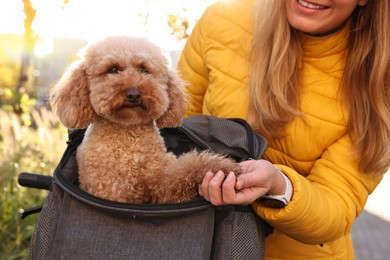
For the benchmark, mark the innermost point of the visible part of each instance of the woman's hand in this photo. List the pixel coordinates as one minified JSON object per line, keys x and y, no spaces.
{"x":259,"y":177}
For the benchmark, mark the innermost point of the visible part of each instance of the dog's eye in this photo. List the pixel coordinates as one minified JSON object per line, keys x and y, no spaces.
{"x":143,"y":70}
{"x":113,"y":70}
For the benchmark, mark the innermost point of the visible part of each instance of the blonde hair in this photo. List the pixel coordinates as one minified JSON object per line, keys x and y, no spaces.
{"x":275,"y":73}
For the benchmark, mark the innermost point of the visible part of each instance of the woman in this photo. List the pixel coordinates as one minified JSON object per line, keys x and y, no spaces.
{"x":313,"y":78}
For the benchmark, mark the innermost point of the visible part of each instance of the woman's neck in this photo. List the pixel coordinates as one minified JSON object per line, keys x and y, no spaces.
{"x":339,"y":28}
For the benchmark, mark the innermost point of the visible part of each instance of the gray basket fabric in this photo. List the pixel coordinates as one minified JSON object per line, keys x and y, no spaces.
{"x":76,"y":225}
{"x":85,"y":232}
{"x":232,"y":137}
{"x":72,"y":229}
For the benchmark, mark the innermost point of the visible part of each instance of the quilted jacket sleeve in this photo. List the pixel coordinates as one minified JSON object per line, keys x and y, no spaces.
{"x":325,"y":203}
{"x":193,"y":69}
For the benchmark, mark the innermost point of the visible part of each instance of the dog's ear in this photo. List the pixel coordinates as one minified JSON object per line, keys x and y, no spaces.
{"x":175,"y":112}
{"x":69,"y":98}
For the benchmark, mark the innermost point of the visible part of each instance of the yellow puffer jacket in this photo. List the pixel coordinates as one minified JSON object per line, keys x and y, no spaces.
{"x":329,"y":190}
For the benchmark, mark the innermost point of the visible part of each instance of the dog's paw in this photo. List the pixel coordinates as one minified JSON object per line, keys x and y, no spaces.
{"x":198,"y":163}
{"x":216,"y":162}
{"x":186,"y":174}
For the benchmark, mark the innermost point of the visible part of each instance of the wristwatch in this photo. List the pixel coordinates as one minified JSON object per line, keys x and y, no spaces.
{"x":278,"y":201}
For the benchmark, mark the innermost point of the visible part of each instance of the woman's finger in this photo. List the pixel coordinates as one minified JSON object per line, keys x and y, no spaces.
{"x":228,"y":189}
{"x":215,"y":188}
{"x":204,"y":186}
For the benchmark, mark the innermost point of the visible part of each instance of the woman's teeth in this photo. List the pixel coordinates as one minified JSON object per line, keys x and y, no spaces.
{"x":310,"y":5}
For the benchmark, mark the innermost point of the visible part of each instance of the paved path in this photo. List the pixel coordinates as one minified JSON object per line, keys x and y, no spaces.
{"x":371,"y":231}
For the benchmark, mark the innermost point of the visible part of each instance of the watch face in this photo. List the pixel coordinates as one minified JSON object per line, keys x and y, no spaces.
{"x":272,"y":203}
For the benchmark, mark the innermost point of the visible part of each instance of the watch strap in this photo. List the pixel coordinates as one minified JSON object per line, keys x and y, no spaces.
{"x":279,"y":201}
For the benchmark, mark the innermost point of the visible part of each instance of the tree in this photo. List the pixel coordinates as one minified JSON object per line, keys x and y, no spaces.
{"x":29,"y":39}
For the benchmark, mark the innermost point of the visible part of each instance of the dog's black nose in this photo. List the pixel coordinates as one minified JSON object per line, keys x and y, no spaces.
{"x":133,"y":96}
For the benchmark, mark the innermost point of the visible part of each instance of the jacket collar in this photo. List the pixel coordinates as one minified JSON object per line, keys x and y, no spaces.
{"x":323,"y":46}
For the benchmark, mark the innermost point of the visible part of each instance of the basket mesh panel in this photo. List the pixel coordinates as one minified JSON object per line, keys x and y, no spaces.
{"x":40,"y":238}
{"x":243,"y":237}
{"x":210,"y":135}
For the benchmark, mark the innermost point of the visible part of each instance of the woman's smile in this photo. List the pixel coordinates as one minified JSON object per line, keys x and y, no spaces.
{"x":320,"y":16}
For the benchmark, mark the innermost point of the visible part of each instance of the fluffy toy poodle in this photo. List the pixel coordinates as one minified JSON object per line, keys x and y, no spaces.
{"x":123,"y":90}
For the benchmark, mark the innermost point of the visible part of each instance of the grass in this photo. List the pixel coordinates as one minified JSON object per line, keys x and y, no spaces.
{"x":29,"y":143}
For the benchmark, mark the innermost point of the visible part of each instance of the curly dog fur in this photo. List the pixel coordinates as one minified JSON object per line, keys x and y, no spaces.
{"x":123,"y":90}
